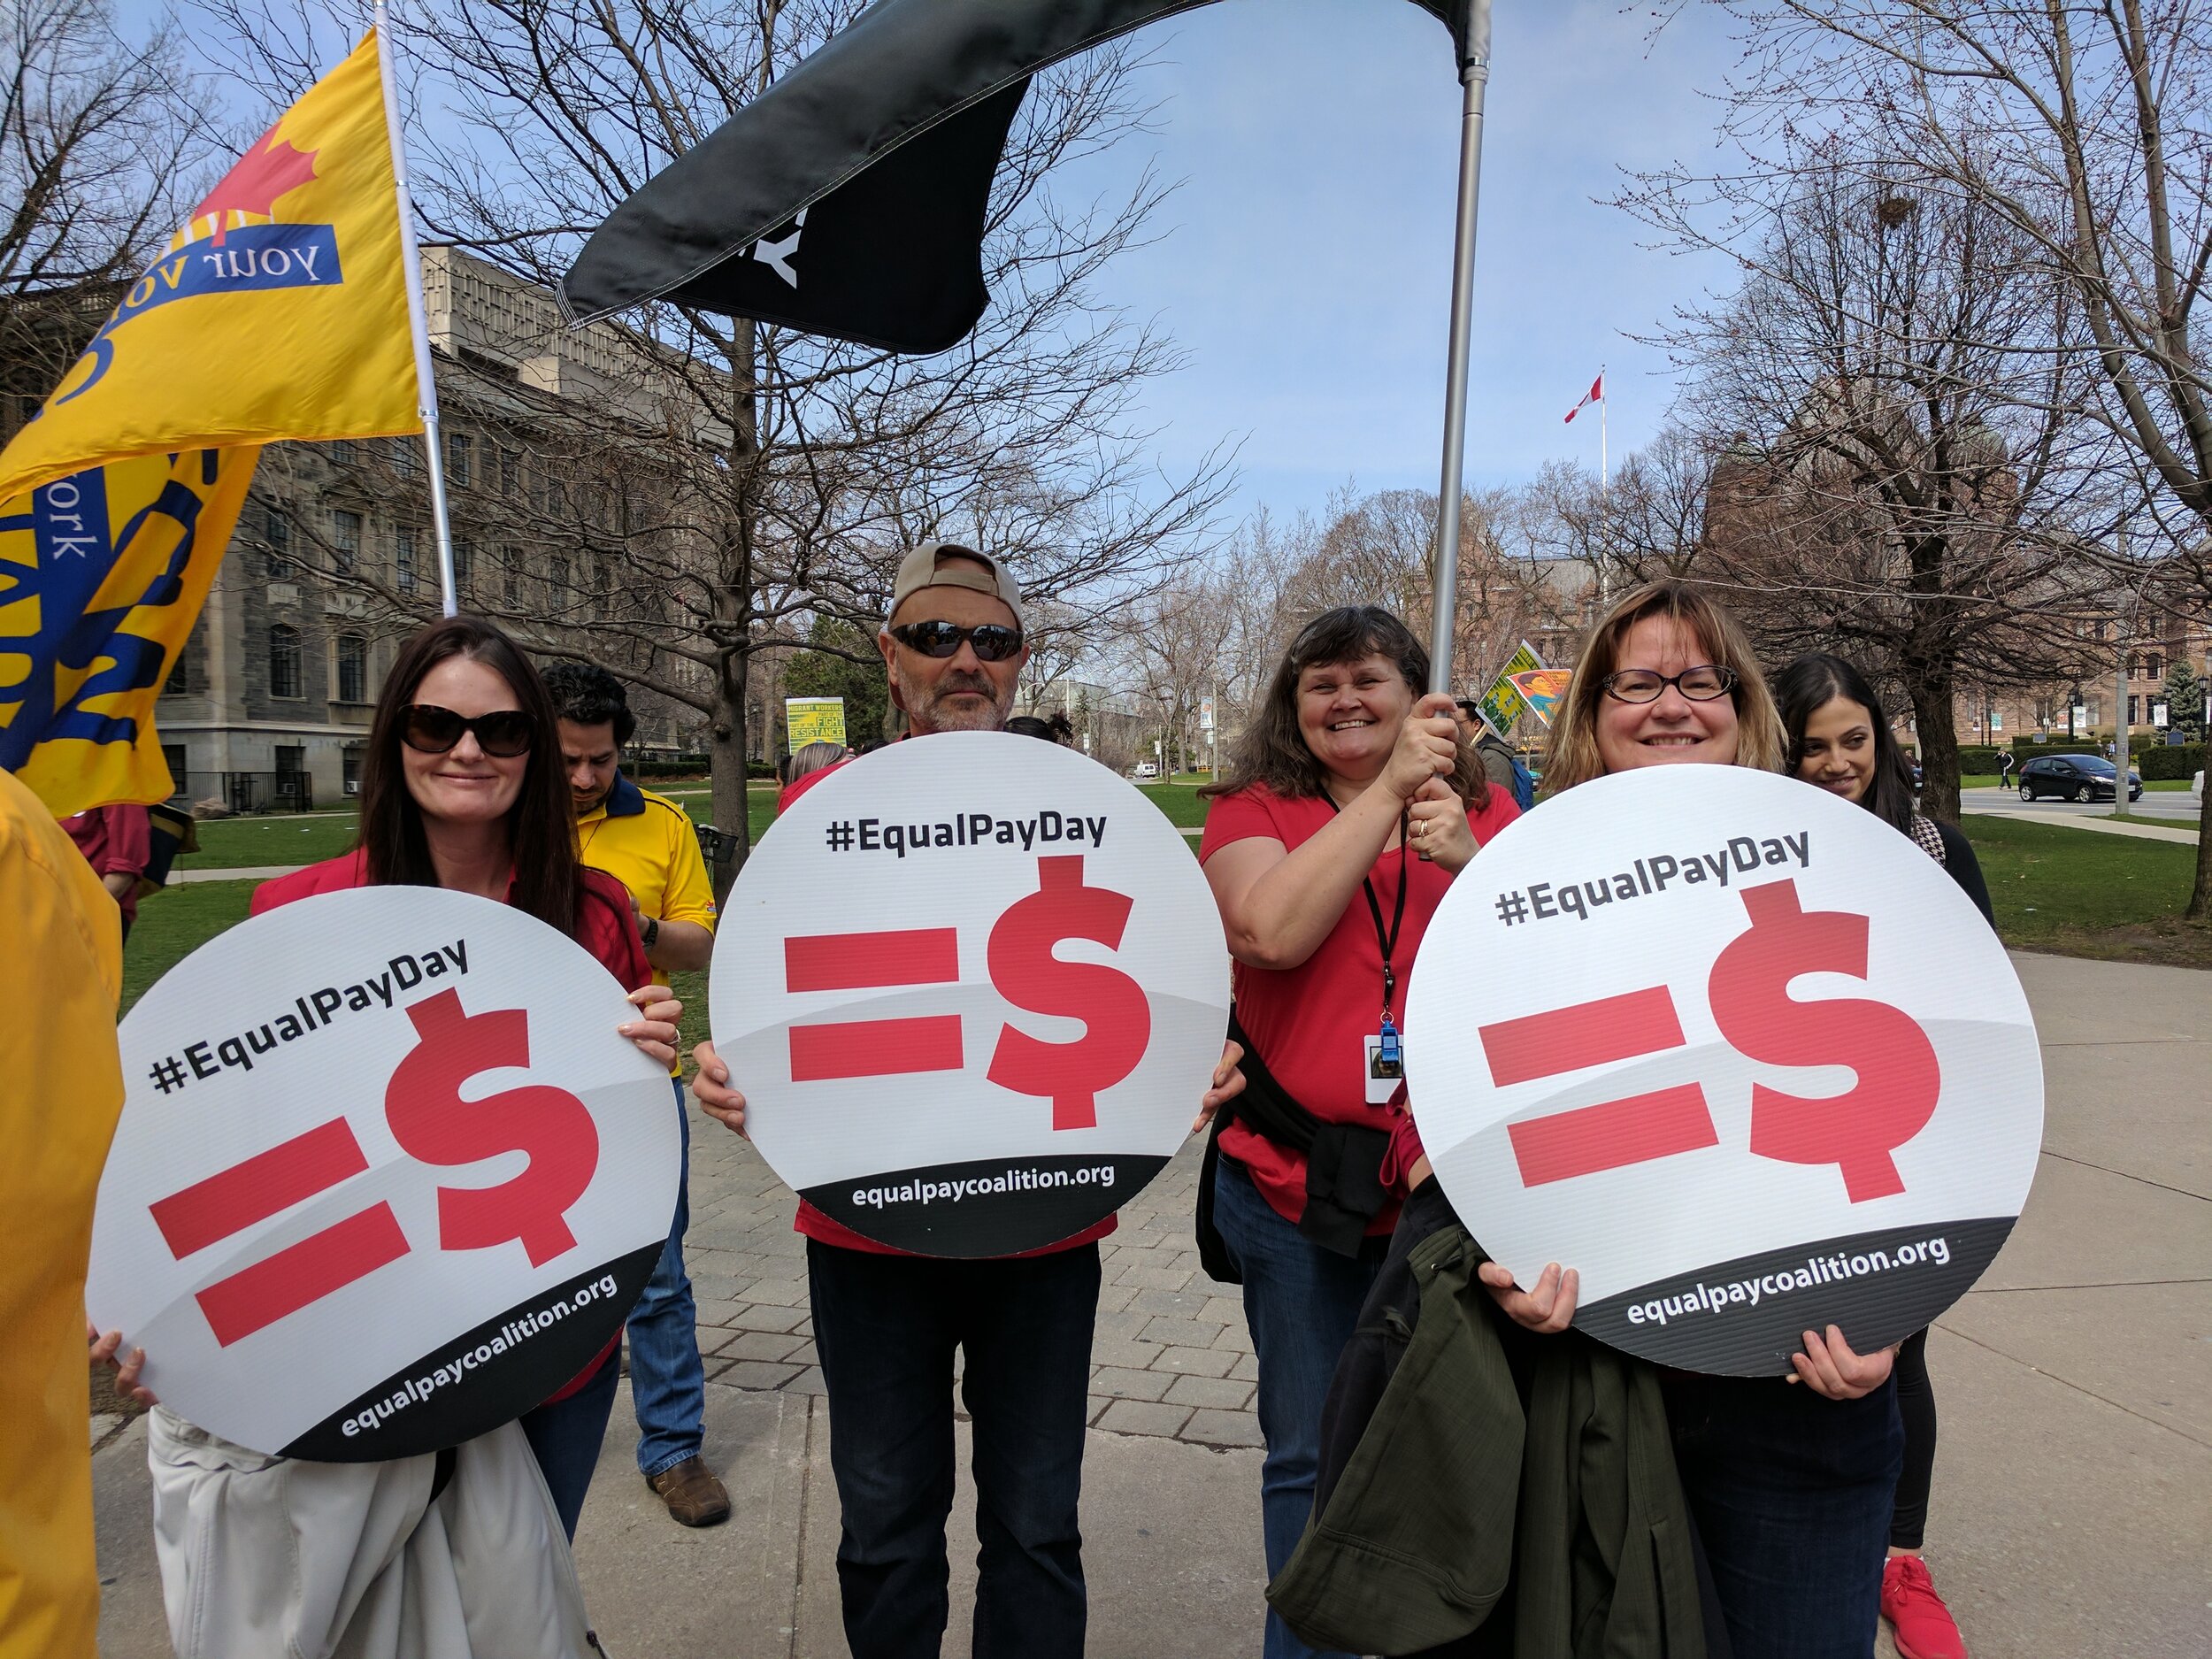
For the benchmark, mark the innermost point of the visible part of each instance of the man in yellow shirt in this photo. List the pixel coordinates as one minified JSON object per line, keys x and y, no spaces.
{"x":59,"y":980}
{"x":646,"y":842}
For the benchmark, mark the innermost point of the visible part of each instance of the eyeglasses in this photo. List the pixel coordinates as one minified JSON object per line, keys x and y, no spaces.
{"x":1701,"y":684}
{"x":994,"y":641}
{"x":432,"y":730}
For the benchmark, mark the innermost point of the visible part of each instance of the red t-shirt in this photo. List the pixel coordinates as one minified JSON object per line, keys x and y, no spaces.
{"x":604,"y":926}
{"x":827,"y":1230}
{"x":1310,"y":1023}
{"x":115,"y":840}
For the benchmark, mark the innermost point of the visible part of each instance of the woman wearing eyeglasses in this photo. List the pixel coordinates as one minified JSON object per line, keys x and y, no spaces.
{"x":1789,"y":1479}
{"x":1349,"y":808}
{"x":462,"y":787}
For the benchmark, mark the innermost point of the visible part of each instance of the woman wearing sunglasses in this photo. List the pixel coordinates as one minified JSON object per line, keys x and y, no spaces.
{"x":462,"y":787}
{"x":1840,"y":740}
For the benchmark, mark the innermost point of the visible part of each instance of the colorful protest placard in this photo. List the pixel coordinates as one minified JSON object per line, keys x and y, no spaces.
{"x":1759,"y":1066}
{"x":972,"y":986}
{"x":813,"y":720}
{"x":385,"y":1176}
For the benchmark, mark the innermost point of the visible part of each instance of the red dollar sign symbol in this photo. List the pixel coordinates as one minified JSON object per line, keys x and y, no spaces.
{"x":1899,"y":1076}
{"x":429,"y":1118}
{"x":1110,"y":1005}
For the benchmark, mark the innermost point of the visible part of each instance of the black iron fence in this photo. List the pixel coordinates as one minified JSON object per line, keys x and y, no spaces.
{"x":248,"y":791}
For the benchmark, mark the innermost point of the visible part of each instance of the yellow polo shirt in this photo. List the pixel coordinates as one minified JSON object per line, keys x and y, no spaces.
{"x":646,"y":841}
{"x":60,"y":979}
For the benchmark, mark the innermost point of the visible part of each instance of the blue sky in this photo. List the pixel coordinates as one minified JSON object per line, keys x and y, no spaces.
{"x":1307,"y":263}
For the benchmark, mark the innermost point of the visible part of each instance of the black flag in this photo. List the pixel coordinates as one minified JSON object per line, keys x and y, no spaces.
{"x":848,"y":200}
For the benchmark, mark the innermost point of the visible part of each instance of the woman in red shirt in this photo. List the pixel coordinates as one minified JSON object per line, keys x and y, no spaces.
{"x":462,"y":787}
{"x":1306,"y":849}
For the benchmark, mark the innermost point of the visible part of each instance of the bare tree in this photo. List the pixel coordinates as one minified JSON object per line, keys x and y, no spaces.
{"x":1899,"y":473}
{"x":773,"y":477}
{"x":2087,"y":130}
{"x":99,"y":142}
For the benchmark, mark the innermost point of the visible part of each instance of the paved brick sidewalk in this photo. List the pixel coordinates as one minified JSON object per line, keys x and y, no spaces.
{"x":1172,"y":1357}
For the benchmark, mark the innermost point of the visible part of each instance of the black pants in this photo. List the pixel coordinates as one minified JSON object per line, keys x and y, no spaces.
{"x":887,"y":1327}
{"x":1915,"y":1404}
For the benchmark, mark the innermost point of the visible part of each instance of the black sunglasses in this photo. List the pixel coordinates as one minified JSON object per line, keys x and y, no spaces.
{"x":994,"y":641}
{"x":432,"y":730}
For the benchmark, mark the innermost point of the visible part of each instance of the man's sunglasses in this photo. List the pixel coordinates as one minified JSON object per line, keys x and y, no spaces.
{"x":994,"y":641}
{"x":432,"y":730}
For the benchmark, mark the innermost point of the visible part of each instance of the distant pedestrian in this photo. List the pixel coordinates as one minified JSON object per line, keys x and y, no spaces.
{"x":2005,"y":764}
{"x":819,"y":755}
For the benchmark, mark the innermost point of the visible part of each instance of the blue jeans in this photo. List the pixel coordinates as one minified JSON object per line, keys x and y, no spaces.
{"x":1301,"y":1302}
{"x":668,"y":1385}
{"x":887,"y":1326}
{"x":565,"y":1436}
{"x":1792,"y":1496}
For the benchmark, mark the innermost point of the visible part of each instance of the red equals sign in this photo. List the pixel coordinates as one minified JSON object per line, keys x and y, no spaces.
{"x":873,"y":1047}
{"x":229,"y":1201}
{"x":1613,"y":1134}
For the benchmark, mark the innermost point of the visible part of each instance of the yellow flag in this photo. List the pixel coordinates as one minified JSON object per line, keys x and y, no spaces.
{"x":102,"y":575}
{"x":278,"y":310}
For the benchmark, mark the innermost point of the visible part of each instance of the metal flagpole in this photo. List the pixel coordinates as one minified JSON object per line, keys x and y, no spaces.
{"x":1474,"y":81}
{"x":1605,"y":466}
{"x":418,"y":323}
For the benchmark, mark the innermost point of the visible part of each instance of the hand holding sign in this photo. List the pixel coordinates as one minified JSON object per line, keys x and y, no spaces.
{"x":1748,"y":1082}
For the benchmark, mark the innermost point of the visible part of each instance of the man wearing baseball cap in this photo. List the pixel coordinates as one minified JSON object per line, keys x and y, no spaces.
{"x":888,"y":1323}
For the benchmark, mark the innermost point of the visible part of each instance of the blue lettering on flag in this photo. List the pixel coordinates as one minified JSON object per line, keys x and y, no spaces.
{"x":252,"y":258}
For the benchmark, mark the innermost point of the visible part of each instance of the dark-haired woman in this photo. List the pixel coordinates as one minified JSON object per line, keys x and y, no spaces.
{"x":1348,"y":809}
{"x":462,"y":787}
{"x":1840,"y":740}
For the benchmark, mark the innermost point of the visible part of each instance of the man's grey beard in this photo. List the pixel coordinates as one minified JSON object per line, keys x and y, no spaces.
{"x":926,"y":713}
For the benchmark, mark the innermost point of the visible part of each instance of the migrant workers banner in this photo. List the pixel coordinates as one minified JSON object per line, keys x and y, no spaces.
{"x":972,"y":986}
{"x":385,"y":1176}
{"x":1759,"y":1066}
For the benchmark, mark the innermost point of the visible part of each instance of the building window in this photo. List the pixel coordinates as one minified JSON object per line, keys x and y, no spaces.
{"x":276,"y":530}
{"x":353,"y":668}
{"x":350,"y":768}
{"x":460,"y":457}
{"x":510,"y":471}
{"x":345,"y":540}
{"x":2157,"y":666}
{"x":510,"y":578}
{"x":403,"y":558}
{"x":284,"y":661}
{"x":2135,"y":710}
{"x":557,"y":579}
{"x":179,"y":779}
{"x":340,"y":451}
{"x":464,"y":562}
{"x":405,"y":461}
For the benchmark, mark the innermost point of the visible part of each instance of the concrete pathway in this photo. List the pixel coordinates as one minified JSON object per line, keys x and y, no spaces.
{"x":2073,"y":1508}
{"x":2102,"y":825}
{"x":245,"y":872}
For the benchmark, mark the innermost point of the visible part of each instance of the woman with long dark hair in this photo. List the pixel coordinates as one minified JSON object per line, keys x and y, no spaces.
{"x":1840,"y":740}
{"x":462,"y":788}
{"x":1346,"y":812}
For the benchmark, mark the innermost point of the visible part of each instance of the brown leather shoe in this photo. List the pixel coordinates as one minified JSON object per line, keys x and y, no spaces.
{"x":693,"y":1494}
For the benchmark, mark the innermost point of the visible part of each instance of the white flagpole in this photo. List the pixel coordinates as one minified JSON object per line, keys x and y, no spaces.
{"x":418,"y":324}
{"x":1605,"y":470}
{"x":1474,"y":82}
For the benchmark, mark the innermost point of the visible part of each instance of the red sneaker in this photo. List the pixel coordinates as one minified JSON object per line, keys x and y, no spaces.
{"x":1925,"y":1629}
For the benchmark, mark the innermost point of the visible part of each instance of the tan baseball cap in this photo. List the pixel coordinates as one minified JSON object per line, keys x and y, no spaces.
{"x":926,"y":566}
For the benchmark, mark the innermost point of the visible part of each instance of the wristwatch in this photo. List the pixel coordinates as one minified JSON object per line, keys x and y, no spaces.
{"x":652,"y":932}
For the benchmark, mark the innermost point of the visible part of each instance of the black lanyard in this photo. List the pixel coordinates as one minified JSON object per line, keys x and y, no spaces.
{"x":1387,"y":941}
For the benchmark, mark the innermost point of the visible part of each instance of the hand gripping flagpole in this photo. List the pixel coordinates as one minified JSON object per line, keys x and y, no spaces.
{"x":1474,"y":76}
{"x":418,"y":323}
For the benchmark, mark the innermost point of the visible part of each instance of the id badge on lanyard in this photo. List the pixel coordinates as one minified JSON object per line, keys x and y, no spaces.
{"x":1382,"y":1055}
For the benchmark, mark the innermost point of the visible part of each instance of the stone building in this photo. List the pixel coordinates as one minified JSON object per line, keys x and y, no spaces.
{"x":334,"y":560}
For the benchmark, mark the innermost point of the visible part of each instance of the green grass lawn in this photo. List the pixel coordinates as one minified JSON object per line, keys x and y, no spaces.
{"x":175,"y":922}
{"x":2089,"y":895}
{"x":240,"y":843}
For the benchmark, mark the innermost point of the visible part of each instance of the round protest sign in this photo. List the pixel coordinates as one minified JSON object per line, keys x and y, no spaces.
{"x":385,"y":1176}
{"x":972,"y":986}
{"x":1735,"y":1049}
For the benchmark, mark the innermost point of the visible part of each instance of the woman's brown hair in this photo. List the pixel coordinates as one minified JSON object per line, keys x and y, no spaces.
{"x":1573,"y":758}
{"x":542,"y":824}
{"x":1272,"y":750}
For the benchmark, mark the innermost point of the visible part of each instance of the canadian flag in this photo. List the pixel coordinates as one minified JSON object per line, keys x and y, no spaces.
{"x":1595,"y":395}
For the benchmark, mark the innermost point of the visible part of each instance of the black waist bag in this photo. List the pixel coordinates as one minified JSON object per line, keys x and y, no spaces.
{"x":1344,"y":1190}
